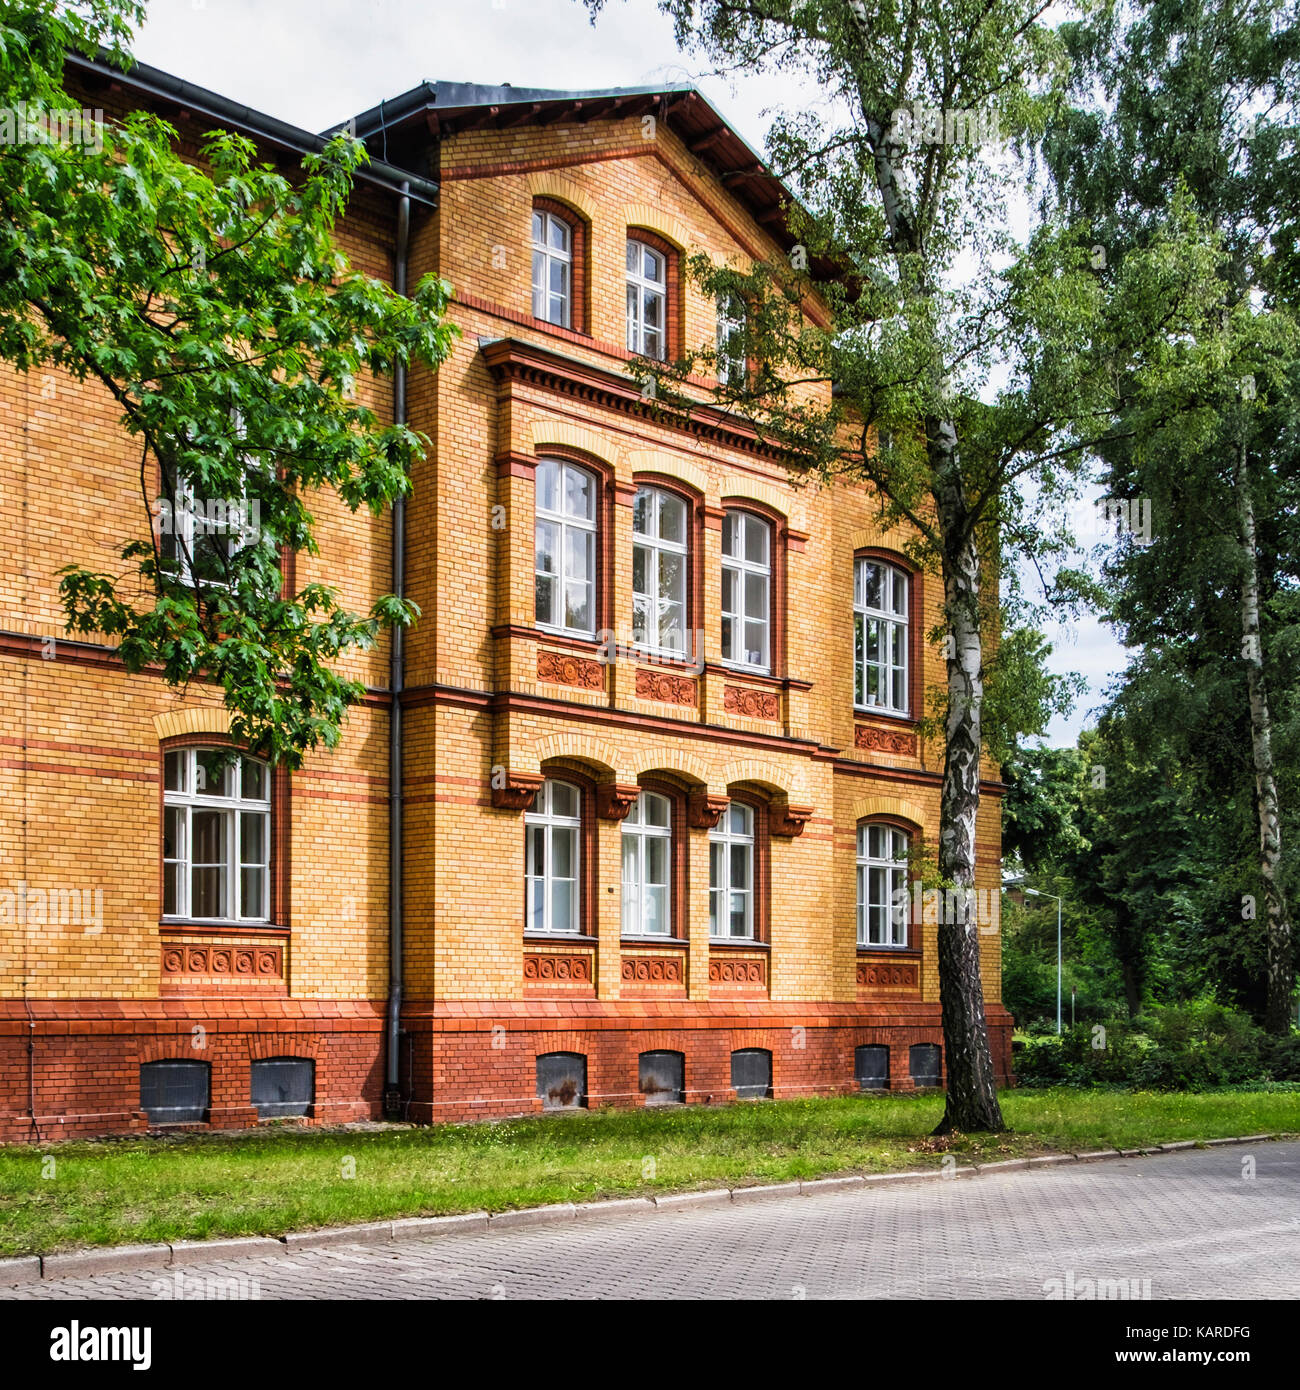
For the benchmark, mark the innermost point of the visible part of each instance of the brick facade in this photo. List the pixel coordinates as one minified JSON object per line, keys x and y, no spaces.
{"x":493,"y":705}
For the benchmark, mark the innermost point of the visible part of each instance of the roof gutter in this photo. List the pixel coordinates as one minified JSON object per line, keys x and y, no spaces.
{"x":202,"y":102}
{"x":396,"y":683}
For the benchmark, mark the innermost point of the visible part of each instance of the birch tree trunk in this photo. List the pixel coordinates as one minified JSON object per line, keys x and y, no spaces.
{"x":1277,"y":1012}
{"x":972,"y":1098}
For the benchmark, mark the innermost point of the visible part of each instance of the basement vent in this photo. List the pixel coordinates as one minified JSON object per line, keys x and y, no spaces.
{"x":924,"y":1063}
{"x":562,"y":1080}
{"x":174,"y":1092}
{"x":751,"y":1073}
{"x":663,"y":1078}
{"x":282,"y":1086}
{"x":871,"y":1067}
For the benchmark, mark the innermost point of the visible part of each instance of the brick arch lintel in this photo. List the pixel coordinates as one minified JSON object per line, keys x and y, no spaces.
{"x":866,"y":806}
{"x":195,"y":720}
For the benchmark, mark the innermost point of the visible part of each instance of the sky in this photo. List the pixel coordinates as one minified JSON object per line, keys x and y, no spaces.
{"x":317,"y":62}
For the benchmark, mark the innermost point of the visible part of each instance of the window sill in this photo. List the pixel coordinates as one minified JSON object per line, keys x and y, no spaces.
{"x":914,"y":951}
{"x":220,"y":927}
{"x":672,"y":942}
{"x":875,"y":712}
{"x":565,"y":936}
{"x":737,"y":943}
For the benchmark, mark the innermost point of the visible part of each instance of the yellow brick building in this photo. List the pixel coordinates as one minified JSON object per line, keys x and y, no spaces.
{"x":661,"y":770}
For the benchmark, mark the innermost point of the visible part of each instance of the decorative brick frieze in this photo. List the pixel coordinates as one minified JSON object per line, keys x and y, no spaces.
{"x":888,"y":973}
{"x":788,"y":821}
{"x":562,"y":668}
{"x":664,"y":686}
{"x":652,"y":970}
{"x":568,"y":968}
{"x":252,"y":962}
{"x":878,"y":740}
{"x":741,"y":971}
{"x":704,"y":810}
{"x":751,"y":704}
{"x":515,"y":791}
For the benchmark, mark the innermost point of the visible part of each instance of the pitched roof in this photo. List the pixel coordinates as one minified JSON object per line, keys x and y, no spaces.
{"x":400,"y":128}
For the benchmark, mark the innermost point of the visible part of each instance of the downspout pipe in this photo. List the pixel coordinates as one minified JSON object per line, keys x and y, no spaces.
{"x":396,"y":681}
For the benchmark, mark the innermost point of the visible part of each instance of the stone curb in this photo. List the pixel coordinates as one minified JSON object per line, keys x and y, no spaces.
{"x":193,"y":1252}
{"x":111,"y":1260}
{"x":27,"y":1269}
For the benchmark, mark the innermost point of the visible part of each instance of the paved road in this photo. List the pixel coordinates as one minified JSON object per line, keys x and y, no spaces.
{"x":1191,"y":1222}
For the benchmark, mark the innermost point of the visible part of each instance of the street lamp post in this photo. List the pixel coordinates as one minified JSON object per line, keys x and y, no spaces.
{"x":1037,"y":894}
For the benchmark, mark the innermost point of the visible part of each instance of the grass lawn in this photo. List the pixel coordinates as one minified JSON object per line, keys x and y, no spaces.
{"x":270,"y":1181}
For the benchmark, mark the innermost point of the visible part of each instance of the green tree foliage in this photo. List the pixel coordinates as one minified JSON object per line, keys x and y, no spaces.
{"x":213,"y":305}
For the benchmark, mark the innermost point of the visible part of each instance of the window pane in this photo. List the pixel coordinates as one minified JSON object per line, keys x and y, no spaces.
{"x":756,"y":596}
{"x":212,"y":772}
{"x":900,"y":592}
{"x":536,"y":849}
{"x":656,"y":859}
{"x":579,"y":495}
{"x":539,"y":223}
{"x":544,"y":600}
{"x":547,"y":547}
{"x":171,"y":889}
{"x":564,"y":800}
{"x":252,"y":838}
{"x":756,"y":643}
{"x":672,"y":518}
{"x":728,"y":640}
{"x":756,"y":539}
{"x":563,"y":906}
{"x":730,"y":589}
{"x":559,"y":234}
{"x":536,"y":904}
{"x":548,"y":485}
{"x":654,"y":266}
{"x":741,"y":819}
{"x":740,"y":866}
{"x":739,"y":914}
{"x":642,"y":507}
{"x":672,"y":577}
{"x":559,"y":282}
{"x":654,"y":808}
{"x":539,"y":284}
{"x":656,"y":911}
{"x":173,"y":833}
{"x":654,"y":312}
{"x":872,"y":583}
{"x":208,"y":893}
{"x":731,"y":534}
{"x":578,"y":553}
{"x":252,"y":891}
{"x":208,"y":832}
{"x":577,"y":606}
{"x":717,"y":866}
{"x":634,"y":256}
{"x":255,"y":779}
{"x":174,"y":768}
{"x":640,"y":569}
{"x":900,"y":693}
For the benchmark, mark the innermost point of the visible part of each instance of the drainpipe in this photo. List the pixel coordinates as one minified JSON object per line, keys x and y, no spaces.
{"x":392,"y":1090}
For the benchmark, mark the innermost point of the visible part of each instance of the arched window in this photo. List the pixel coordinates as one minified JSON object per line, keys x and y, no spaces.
{"x":747,"y":591}
{"x":565,"y":550}
{"x":880,"y":633}
{"x":731,"y":873}
{"x":553,"y":267}
{"x":647,"y":867}
{"x":552,"y":831}
{"x":882,"y":885}
{"x":660,"y":521}
{"x":647,"y":300}
{"x":216,"y":835}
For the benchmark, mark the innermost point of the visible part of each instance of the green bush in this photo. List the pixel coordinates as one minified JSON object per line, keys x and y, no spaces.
{"x":1194,"y":1047}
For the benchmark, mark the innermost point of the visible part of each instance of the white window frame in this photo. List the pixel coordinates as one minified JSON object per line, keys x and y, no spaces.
{"x":732,"y":371}
{"x":638,"y":834}
{"x":233,"y":808}
{"x":656,"y":549}
{"x":722,"y":839}
{"x":542,"y":815}
{"x":641,"y":289}
{"x":887,"y":621}
{"x":743,"y":568}
{"x":544,"y":254}
{"x":568,"y":524}
{"x":879,"y":912}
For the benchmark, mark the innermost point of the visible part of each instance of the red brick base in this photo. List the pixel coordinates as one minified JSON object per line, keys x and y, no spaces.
{"x":460,"y":1061}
